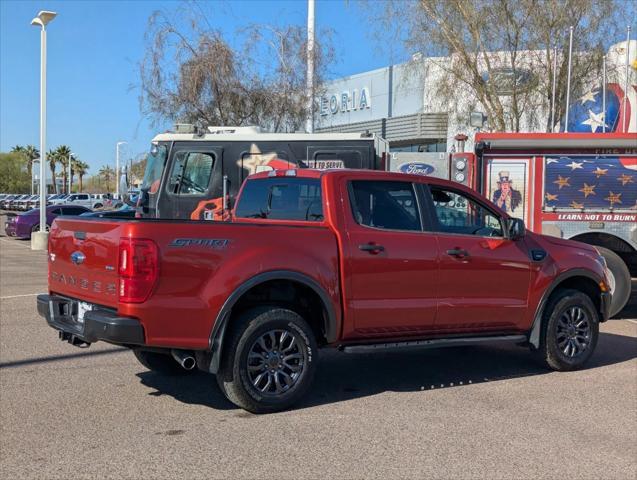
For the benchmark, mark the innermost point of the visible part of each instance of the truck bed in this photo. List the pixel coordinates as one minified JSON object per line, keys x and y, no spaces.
{"x":200,"y":264}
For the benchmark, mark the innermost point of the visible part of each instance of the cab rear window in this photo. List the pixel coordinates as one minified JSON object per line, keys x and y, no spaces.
{"x":281,"y":198}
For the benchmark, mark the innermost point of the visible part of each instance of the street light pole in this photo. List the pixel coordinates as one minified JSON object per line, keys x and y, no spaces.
{"x":39,"y":240}
{"x":71,"y":154}
{"x":117,"y":168}
{"x":309,"y":85}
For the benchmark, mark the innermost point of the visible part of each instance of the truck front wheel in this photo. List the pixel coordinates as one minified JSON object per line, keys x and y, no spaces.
{"x":619,"y":280}
{"x":268,"y":360}
{"x":570,"y":330}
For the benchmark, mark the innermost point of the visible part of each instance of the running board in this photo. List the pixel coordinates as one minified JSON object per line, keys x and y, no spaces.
{"x":433,"y":343}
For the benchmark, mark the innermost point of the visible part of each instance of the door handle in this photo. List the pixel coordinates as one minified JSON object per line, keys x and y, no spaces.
{"x":458,"y":252}
{"x":371,"y":248}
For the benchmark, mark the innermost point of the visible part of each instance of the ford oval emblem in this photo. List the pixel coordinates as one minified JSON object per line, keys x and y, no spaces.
{"x":77,"y":257}
{"x":417,"y":168}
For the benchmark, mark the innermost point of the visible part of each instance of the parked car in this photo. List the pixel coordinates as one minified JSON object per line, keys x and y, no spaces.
{"x":27,"y":203}
{"x":125,"y":211}
{"x":4,"y":203}
{"x":13,"y":204}
{"x":83,"y":199}
{"x":101,"y":200}
{"x":358,"y":260}
{"x":24,"y":224}
{"x":58,"y":199}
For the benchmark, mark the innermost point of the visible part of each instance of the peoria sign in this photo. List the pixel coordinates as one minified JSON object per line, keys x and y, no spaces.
{"x":347,"y":101}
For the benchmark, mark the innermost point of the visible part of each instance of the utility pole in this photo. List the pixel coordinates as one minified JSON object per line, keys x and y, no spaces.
{"x":117,"y":168}
{"x":553,"y":89}
{"x":309,"y":125}
{"x":568,"y":77}
{"x":40,"y":239}
{"x":69,"y":183}
{"x":626,"y":79}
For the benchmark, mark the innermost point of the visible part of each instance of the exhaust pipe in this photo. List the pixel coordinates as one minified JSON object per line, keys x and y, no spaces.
{"x":184,"y":358}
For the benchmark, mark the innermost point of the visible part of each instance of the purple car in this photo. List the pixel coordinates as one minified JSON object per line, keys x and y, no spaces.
{"x":23,"y":224}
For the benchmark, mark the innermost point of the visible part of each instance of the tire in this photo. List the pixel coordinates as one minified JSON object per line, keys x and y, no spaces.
{"x":620,"y":280}
{"x":568,"y":308}
{"x":254,"y":373}
{"x":162,"y":363}
{"x":36,"y":228}
{"x":97,"y":205}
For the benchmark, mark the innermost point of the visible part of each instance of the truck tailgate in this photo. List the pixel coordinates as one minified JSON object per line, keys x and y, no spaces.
{"x":83,"y":258}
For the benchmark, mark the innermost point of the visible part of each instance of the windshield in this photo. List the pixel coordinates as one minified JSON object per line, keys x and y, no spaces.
{"x":155,"y":162}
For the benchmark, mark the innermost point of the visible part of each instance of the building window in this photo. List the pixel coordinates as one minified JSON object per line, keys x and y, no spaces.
{"x":439,"y":145}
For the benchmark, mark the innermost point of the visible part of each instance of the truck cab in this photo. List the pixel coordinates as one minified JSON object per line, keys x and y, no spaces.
{"x":577,"y":186}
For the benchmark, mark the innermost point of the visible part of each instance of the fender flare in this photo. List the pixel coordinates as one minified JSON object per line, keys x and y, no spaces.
{"x":536,"y":328}
{"x":217,"y":334}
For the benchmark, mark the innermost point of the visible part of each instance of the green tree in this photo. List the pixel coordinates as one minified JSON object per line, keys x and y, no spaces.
{"x":80,"y":168}
{"x":52,"y":158}
{"x":63,"y":154}
{"x":13,"y":173}
{"x":107,"y":174}
{"x":30,"y":153}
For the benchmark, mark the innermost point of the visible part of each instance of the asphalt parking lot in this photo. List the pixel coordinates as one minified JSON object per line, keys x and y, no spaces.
{"x":480,"y":412}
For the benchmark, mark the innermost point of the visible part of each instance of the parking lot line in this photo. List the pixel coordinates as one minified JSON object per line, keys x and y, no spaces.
{"x":18,"y":296}
{"x":15,"y":243}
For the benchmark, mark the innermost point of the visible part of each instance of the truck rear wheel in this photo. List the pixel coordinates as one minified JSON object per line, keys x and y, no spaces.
{"x":268,"y":360}
{"x":619,"y":279}
{"x":570,"y":330}
{"x":161,"y":363}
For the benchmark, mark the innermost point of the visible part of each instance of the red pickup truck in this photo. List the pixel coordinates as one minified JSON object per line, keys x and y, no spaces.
{"x":362,"y":261}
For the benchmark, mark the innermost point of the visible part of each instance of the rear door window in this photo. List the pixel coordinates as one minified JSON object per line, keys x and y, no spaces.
{"x":282,"y":199}
{"x":385,"y":204}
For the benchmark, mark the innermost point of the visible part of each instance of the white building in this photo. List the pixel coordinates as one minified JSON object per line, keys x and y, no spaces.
{"x":401,"y":103}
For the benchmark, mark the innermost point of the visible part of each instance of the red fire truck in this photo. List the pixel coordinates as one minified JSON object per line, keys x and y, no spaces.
{"x":572,"y":185}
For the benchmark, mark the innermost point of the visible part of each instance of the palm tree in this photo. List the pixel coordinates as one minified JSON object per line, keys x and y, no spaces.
{"x":80,"y":168}
{"x":52,"y":157}
{"x":30,"y":154}
{"x":63,"y":154}
{"x":107,"y":173}
{"x":19,"y":149}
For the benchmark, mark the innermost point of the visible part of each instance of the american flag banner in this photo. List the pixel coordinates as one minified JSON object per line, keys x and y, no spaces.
{"x":585,"y":114}
{"x":590,"y":182}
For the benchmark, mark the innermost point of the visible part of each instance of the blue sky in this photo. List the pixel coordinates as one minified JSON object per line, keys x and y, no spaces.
{"x":93,"y":52}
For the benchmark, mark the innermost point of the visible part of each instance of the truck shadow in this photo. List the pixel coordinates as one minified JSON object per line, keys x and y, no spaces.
{"x":341,"y":377}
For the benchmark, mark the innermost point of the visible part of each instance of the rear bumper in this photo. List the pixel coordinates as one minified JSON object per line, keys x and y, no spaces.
{"x":605,"y":301}
{"x":9,"y":229}
{"x":99,"y":324}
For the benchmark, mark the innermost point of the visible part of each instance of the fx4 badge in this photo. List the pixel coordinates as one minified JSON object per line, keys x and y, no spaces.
{"x":216,"y":243}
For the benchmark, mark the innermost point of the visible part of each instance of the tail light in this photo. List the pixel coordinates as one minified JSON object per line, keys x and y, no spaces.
{"x":138,"y":269}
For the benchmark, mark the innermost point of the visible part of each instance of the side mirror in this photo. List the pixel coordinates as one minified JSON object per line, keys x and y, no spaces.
{"x":516,"y":228}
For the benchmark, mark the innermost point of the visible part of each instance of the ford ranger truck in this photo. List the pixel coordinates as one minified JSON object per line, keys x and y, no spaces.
{"x":362,"y":261}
